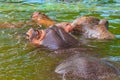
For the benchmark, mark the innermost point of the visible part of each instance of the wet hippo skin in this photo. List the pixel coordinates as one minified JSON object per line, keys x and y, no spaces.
{"x":54,"y":38}
{"x":79,"y":67}
{"x":42,"y":19}
{"x":91,"y":27}
{"x":58,"y":38}
{"x":86,"y":26}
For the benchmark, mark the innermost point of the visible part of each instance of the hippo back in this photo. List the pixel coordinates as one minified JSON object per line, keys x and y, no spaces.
{"x":57,"y":38}
{"x":87,"y":68}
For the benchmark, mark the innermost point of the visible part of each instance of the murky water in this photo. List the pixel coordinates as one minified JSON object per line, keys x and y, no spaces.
{"x":19,"y":60}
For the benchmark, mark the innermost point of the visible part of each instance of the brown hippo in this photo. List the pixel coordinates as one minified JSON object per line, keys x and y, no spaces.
{"x":42,"y":19}
{"x":17,"y":24}
{"x":87,"y":27}
{"x":52,"y":38}
{"x":91,"y":27}
{"x":12,"y":24}
{"x":82,"y":67}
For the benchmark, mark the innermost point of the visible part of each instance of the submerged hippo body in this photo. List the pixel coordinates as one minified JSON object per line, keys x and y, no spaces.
{"x":87,"y":68}
{"x":58,"y":38}
{"x":91,"y":27}
{"x":55,"y":38}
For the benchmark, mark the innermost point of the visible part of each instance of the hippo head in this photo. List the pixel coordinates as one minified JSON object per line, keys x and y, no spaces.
{"x":42,"y":19}
{"x":102,"y":28}
{"x":35,"y":36}
{"x":105,"y":23}
{"x":85,"y":20}
{"x":38,"y":15}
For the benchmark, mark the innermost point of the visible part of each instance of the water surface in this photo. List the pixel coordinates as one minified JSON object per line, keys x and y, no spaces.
{"x":19,"y":60}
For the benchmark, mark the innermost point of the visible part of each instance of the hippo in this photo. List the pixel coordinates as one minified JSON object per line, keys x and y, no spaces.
{"x":91,"y":27}
{"x":42,"y":19}
{"x":84,"y":67}
{"x":53,"y":38}
{"x":86,"y":26}
{"x":13,"y":24}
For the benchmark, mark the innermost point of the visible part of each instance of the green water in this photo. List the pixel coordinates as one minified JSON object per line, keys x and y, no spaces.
{"x":19,"y":60}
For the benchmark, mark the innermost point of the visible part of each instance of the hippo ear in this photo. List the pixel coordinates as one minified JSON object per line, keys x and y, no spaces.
{"x":42,"y":34}
{"x":31,"y":29}
{"x":35,"y":15}
{"x":37,"y":32}
{"x":30,"y":34}
{"x":105,"y":23}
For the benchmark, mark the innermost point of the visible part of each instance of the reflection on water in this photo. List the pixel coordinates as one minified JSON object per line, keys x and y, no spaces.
{"x":19,"y":60}
{"x":117,"y":58}
{"x":34,"y":1}
{"x":117,"y":36}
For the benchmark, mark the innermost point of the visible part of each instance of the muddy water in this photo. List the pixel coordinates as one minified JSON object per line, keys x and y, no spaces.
{"x":19,"y":60}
